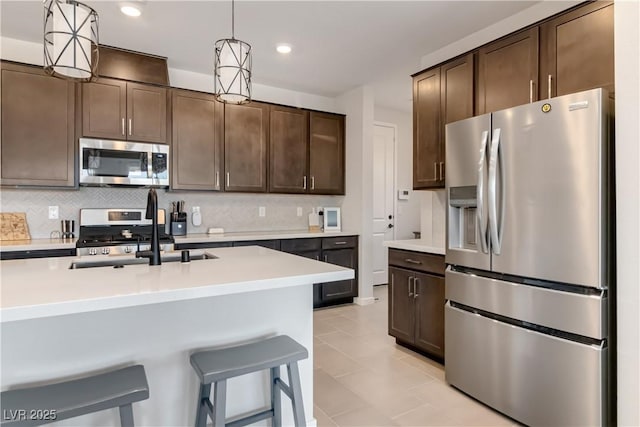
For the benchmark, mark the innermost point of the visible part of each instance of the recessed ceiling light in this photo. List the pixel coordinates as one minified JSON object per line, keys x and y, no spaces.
{"x":130,"y":10}
{"x":283,"y":48}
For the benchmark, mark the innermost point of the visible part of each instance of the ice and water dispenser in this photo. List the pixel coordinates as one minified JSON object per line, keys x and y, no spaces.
{"x":463,"y":226}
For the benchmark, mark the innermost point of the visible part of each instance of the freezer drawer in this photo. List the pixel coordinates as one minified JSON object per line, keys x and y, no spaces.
{"x":537,"y":379}
{"x":580,"y":314}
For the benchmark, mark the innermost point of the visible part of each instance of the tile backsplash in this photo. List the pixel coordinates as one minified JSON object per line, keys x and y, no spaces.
{"x":231,"y":211}
{"x":433,"y":208}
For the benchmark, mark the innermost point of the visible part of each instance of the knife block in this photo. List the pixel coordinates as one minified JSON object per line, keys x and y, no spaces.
{"x":179,"y":224}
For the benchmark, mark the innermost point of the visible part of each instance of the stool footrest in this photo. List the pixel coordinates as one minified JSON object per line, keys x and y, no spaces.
{"x":266,"y":414}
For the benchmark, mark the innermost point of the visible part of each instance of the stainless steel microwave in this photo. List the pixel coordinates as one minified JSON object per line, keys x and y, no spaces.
{"x":107,"y":162}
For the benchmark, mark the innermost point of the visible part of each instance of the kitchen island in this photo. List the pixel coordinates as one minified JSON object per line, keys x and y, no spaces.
{"x":60,"y":323}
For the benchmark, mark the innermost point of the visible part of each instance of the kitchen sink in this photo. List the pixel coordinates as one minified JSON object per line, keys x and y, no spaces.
{"x":120,"y":262}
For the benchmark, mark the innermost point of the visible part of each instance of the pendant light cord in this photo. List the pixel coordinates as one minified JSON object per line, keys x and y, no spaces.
{"x":233,"y":34}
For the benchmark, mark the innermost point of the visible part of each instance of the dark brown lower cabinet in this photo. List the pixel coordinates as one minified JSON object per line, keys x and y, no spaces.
{"x":416,"y":303}
{"x":342,"y":251}
{"x":333,"y":291}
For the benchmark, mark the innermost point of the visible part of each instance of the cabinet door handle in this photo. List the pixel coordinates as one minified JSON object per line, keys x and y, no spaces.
{"x":304,"y":182}
{"x":130,"y":126}
{"x":217,"y":179}
{"x":415,"y":289}
{"x":441,"y":171}
{"x":549,"y":86}
{"x":123,"y":131}
{"x":409,"y":286}
{"x":325,"y":258}
{"x":435,"y":170}
{"x":412,"y":261}
{"x":227,"y":179}
{"x":313,"y":182}
{"x":317,"y":257}
{"x":530,"y":91}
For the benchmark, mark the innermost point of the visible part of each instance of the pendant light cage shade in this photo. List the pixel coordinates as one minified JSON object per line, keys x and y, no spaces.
{"x":70,"y":40}
{"x":232,"y":69}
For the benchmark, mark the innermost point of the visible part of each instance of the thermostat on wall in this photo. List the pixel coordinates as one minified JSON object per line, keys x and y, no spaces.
{"x":403,"y":194}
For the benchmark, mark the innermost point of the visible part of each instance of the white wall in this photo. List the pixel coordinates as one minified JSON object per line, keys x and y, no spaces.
{"x":407,"y":211}
{"x":627,"y":66}
{"x":358,"y":203}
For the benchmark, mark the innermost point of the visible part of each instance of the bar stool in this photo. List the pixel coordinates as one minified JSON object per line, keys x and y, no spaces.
{"x":216,"y":366}
{"x":34,"y":406}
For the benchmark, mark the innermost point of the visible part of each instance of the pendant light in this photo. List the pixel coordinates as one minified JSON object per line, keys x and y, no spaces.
{"x":70,"y":40}
{"x":232,"y":68}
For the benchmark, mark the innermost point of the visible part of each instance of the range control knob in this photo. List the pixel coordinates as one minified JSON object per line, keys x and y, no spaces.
{"x":127,"y":249}
{"x":105,"y":251}
{"x":93,"y":251}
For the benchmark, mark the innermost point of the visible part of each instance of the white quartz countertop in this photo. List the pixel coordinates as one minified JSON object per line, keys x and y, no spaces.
{"x":417,"y":245}
{"x":44,"y":287}
{"x":256,"y":235}
{"x":36,"y":244}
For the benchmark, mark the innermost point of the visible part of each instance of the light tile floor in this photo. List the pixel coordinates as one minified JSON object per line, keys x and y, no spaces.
{"x":362,"y":378}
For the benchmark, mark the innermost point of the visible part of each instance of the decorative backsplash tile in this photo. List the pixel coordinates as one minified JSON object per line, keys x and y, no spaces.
{"x":233,"y":212}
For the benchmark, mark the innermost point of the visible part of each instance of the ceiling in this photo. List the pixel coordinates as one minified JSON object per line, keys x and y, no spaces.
{"x":337,"y":45}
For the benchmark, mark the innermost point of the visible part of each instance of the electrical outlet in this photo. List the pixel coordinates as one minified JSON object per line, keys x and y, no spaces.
{"x":262,"y":211}
{"x":53,"y":212}
{"x":299,"y":211}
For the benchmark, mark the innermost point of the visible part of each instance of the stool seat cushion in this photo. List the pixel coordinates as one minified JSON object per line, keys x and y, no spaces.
{"x":78,"y":397}
{"x":215,"y":365}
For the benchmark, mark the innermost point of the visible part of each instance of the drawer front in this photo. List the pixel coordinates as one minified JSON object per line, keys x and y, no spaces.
{"x":270,"y":244}
{"x":428,"y":263}
{"x":201,"y":245}
{"x":300,"y":245}
{"x":537,"y":379}
{"x":339,"y":242}
{"x":584,"y":315}
{"x":338,"y":290}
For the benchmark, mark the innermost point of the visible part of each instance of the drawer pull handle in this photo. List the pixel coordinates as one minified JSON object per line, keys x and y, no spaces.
{"x":411,"y":261}
{"x":340,"y":243}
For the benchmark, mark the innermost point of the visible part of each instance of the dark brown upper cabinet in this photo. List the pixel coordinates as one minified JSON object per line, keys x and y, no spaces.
{"x":38,"y":128}
{"x":288,"y":150}
{"x":441,"y":95}
{"x":508,"y":72}
{"x":427,"y":139}
{"x":246,"y":129}
{"x":326,"y":153}
{"x":116,"y":109}
{"x":576,"y":51}
{"x":197,"y":136}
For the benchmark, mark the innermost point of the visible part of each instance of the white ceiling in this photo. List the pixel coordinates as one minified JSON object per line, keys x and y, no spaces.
{"x":337,"y":45}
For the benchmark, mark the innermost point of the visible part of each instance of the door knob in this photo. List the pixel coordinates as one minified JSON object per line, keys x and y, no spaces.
{"x":390,"y":225}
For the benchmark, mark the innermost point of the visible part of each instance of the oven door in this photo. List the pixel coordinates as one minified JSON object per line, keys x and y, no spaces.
{"x":106,"y":162}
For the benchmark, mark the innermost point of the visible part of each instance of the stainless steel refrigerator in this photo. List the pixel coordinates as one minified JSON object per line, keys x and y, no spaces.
{"x":529,"y":276}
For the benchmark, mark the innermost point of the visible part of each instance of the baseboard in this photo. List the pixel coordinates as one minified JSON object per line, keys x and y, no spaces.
{"x":364,"y":301}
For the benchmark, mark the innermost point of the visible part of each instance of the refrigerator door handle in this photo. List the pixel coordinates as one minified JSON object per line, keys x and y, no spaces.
{"x":492,"y":192}
{"x":482,"y":223}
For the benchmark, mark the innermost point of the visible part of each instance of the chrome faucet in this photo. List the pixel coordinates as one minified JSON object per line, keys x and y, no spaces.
{"x":152,"y":214}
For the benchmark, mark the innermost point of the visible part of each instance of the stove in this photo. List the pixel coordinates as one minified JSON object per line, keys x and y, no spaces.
{"x":118,"y":231}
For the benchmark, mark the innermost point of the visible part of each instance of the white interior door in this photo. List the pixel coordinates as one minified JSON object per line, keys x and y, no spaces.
{"x":383,"y":197}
